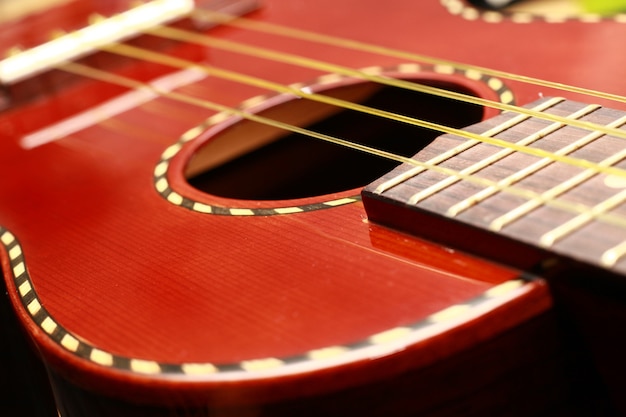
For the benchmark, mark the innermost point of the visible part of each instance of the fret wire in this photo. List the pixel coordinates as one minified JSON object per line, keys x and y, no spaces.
{"x":447,"y":182}
{"x":532,"y":204}
{"x":387,"y":185}
{"x":285,"y":31}
{"x":531,"y":169}
{"x":147,"y":55}
{"x":577,"y":222}
{"x":112,"y":78}
{"x":405,"y":176}
{"x":305,"y":62}
{"x":612,"y":256}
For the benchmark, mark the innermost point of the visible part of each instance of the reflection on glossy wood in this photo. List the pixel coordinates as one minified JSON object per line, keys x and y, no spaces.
{"x":150,"y":294}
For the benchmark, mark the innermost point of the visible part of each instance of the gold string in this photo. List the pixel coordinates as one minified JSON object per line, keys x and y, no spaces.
{"x":206,"y":40}
{"x":274,"y":29}
{"x":147,"y":55}
{"x":108,"y":77}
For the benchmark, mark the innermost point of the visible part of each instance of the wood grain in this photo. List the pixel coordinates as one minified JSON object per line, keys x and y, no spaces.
{"x":539,"y":176}
{"x":144,"y":301}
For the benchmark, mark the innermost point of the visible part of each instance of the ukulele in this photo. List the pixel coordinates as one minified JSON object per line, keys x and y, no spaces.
{"x":312,"y":208}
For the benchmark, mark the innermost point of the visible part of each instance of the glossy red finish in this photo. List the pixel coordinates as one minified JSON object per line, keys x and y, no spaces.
{"x":131,"y":274}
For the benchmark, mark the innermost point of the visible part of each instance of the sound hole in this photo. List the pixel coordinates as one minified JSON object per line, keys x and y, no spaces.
{"x":254,"y":162}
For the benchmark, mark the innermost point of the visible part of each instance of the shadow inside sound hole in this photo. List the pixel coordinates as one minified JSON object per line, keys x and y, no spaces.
{"x":296,"y":166}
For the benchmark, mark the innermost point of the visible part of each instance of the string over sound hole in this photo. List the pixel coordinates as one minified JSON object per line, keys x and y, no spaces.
{"x":279,"y":165}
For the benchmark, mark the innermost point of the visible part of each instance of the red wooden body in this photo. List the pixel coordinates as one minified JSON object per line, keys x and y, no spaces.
{"x":130,"y":274}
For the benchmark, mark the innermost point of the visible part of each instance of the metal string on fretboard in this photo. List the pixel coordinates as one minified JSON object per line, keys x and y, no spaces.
{"x":542,"y":220}
{"x":436,"y":166}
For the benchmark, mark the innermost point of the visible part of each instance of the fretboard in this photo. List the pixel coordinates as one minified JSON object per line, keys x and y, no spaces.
{"x":527,"y":188}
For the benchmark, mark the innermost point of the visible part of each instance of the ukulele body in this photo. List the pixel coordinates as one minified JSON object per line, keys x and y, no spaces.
{"x":143,"y":294}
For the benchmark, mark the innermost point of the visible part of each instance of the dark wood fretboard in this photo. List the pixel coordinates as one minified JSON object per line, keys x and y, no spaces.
{"x":533,"y":187}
